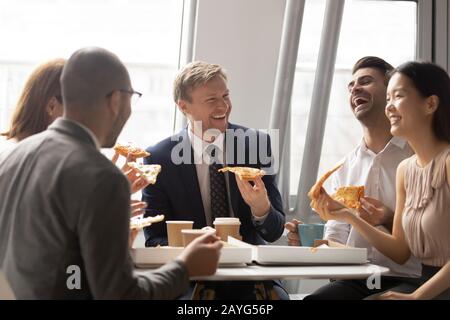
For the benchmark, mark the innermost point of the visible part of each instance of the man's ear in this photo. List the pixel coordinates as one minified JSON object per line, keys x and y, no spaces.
{"x":432,"y":104}
{"x":113,"y":103}
{"x":182,"y":106}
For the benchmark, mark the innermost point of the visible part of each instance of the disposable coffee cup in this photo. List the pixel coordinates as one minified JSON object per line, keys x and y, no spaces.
{"x":174,"y":228}
{"x":190,"y":234}
{"x":227,"y":227}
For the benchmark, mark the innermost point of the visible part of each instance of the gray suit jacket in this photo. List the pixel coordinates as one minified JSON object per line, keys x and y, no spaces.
{"x":64,"y":213}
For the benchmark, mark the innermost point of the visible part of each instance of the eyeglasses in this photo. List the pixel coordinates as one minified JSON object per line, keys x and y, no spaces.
{"x":134,"y":95}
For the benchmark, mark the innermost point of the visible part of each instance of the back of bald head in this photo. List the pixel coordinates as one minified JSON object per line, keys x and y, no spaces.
{"x":89,"y":75}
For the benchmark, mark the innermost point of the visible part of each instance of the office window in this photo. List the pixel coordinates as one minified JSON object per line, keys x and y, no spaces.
{"x":145,"y":34}
{"x":380,"y":28}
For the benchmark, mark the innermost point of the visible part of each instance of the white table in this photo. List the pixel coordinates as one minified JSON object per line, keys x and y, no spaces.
{"x":260,"y":272}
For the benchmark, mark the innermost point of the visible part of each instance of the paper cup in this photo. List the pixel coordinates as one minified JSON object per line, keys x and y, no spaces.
{"x":174,"y":228}
{"x":191,"y":234}
{"x":227,"y":227}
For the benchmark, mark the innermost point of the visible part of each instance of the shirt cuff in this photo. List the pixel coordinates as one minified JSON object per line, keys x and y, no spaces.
{"x":259,"y":220}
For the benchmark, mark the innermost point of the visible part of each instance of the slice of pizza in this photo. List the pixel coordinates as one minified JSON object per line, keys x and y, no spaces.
{"x":129,"y":148}
{"x":244,"y":173}
{"x":149,"y":171}
{"x":350,"y":196}
{"x":140,"y":222}
{"x":314,"y":192}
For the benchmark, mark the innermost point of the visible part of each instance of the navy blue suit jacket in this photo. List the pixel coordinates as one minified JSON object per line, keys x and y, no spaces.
{"x":177,"y":195}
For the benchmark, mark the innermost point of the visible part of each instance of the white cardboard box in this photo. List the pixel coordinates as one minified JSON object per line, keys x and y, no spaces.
{"x":241,"y":253}
{"x":327,"y":253}
{"x":154,"y":256}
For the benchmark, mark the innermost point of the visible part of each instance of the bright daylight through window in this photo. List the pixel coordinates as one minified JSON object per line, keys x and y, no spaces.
{"x":377,"y":28}
{"x":144,"y":34}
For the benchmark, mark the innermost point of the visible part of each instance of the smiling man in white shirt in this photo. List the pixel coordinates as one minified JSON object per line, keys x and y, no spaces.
{"x":373,"y":164}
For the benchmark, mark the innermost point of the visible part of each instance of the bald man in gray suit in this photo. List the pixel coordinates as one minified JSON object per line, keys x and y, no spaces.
{"x":65,"y":208}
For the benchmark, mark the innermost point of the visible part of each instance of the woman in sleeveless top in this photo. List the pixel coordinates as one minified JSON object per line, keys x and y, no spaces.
{"x":418,"y":107}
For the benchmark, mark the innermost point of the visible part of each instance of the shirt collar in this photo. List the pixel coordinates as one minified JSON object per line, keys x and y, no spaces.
{"x":399,"y":142}
{"x":199,"y":145}
{"x":88,"y":131}
{"x":395,"y":141}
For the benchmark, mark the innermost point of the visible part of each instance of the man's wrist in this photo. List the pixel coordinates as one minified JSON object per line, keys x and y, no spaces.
{"x":261,"y":212}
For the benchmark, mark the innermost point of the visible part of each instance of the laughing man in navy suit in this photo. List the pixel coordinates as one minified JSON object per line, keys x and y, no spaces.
{"x":189,"y":186}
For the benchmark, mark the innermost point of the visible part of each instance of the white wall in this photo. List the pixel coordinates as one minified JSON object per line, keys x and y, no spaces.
{"x":244,"y":37}
{"x":448,"y":36}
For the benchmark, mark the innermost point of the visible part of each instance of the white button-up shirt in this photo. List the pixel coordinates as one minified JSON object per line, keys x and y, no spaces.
{"x":202,"y":161}
{"x":376,"y":172}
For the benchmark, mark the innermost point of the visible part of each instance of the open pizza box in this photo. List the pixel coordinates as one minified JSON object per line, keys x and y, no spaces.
{"x":324,"y":252}
{"x":156,"y":256}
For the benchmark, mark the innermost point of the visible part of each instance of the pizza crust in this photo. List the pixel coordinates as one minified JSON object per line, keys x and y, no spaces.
{"x":140,"y":222}
{"x":314,"y":192}
{"x":244,"y":173}
{"x":135,"y":151}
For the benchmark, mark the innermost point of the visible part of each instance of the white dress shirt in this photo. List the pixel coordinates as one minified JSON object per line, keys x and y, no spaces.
{"x":202,"y":161}
{"x":376,"y":172}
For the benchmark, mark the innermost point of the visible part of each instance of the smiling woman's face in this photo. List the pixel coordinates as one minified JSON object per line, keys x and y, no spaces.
{"x":405,"y":108}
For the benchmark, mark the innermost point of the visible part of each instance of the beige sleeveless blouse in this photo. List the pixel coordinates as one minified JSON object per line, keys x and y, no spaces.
{"x":426,"y":216}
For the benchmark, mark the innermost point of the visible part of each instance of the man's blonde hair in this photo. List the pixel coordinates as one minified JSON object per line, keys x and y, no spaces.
{"x":194,"y":75}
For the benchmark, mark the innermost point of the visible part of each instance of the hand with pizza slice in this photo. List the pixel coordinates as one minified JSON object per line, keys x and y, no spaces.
{"x":139,"y":222}
{"x":340,"y":204}
{"x":244,"y":173}
{"x":330,"y":209}
{"x":137,"y":207}
{"x":131,"y":153}
{"x":348,"y":200}
{"x":147,"y":171}
{"x":252,"y":188}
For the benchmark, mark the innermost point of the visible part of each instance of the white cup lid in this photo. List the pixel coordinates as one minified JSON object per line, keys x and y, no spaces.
{"x":180,"y":222}
{"x":226,"y":221}
{"x":195,"y":231}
